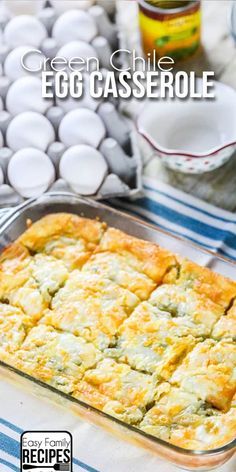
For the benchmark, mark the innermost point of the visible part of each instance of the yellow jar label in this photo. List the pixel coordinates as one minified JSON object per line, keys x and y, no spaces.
{"x":176,"y":37}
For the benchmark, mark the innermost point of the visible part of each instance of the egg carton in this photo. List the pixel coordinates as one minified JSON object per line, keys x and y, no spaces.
{"x":48,"y":135}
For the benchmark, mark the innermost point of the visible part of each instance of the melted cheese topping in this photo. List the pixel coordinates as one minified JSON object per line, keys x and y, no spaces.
{"x":195,"y":310}
{"x":226,"y":326}
{"x":74,"y":253}
{"x":49,"y":273}
{"x":209,"y":370}
{"x":204,"y":281}
{"x":14,"y":325}
{"x":127,"y":389}
{"x":143,"y":256}
{"x":116,"y":268}
{"x":57,"y":358}
{"x":92,"y":307}
{"x":31,"y":287}
{"x":64,"y":236}
{"x":148,"y":342}
{"x":182,"y":419}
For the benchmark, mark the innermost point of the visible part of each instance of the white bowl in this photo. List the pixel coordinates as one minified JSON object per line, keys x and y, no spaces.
{"x":192,"y":136}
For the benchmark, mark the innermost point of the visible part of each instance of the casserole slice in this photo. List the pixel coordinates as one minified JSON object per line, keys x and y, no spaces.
{"x":59,"y":359}
{"x":115,"y":267}
{"x":209,"y":371}
{"x":187,"y":308}
{"x":148,"y":341}
{"x":117,"y":389}
{"x":29,"y":282}
{"x":226,"y":326}
{"x":92,"y":307}
{"x":184,"y":420}
{"x":14,"y":326}
{"x":143,"y":256}
{"x":218,"y":288}
{"x":64,"y":236}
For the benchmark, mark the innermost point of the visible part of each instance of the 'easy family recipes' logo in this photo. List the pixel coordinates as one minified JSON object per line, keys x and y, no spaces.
{"x":46,"y":450}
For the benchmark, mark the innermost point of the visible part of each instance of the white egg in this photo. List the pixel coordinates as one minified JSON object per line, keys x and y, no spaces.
{"x":24,"y":30}
{"x":83,"y":168}
{"x":13,"y":67}
{"x":82,"y":126}
{"x":30,"y":129}
{"x":86,"y":101}
{"x":74,"y":25}
{"x":25,"y":94}
{"x":62,"y":6}
{"x":30,"y":172}
{"x":79,"y":49}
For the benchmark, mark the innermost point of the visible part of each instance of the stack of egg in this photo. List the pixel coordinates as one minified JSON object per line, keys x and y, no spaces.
{"x":81,"y":145}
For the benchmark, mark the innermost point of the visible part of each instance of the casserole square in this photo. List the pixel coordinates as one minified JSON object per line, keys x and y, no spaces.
{"x":209,"y":371}
{"x":57,"y":358}
{"x":14,"y":326}
{"x":187,"y":308}
{"x":115,"y":267}
{"x":145,"y":257}
{"x":117,"y":390}
{"x":29,"y":282}
{"x":148,"y":341}
{"x":218,"y":288}
{"x":92,"y":307}
{"x":226,"y":326}
{"x":181,"y":418}
{"x":65,"y":236}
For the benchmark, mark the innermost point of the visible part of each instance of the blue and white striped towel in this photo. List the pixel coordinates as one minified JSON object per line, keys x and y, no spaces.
{"x":187,"y":216}
{"x":95,"y":450}
{"x":10,"y":450}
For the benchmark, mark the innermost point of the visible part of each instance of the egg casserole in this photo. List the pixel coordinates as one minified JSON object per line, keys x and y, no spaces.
{"x":124,"y":326}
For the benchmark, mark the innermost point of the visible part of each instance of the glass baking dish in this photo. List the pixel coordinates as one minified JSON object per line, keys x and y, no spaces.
{"x":15,"y":223}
